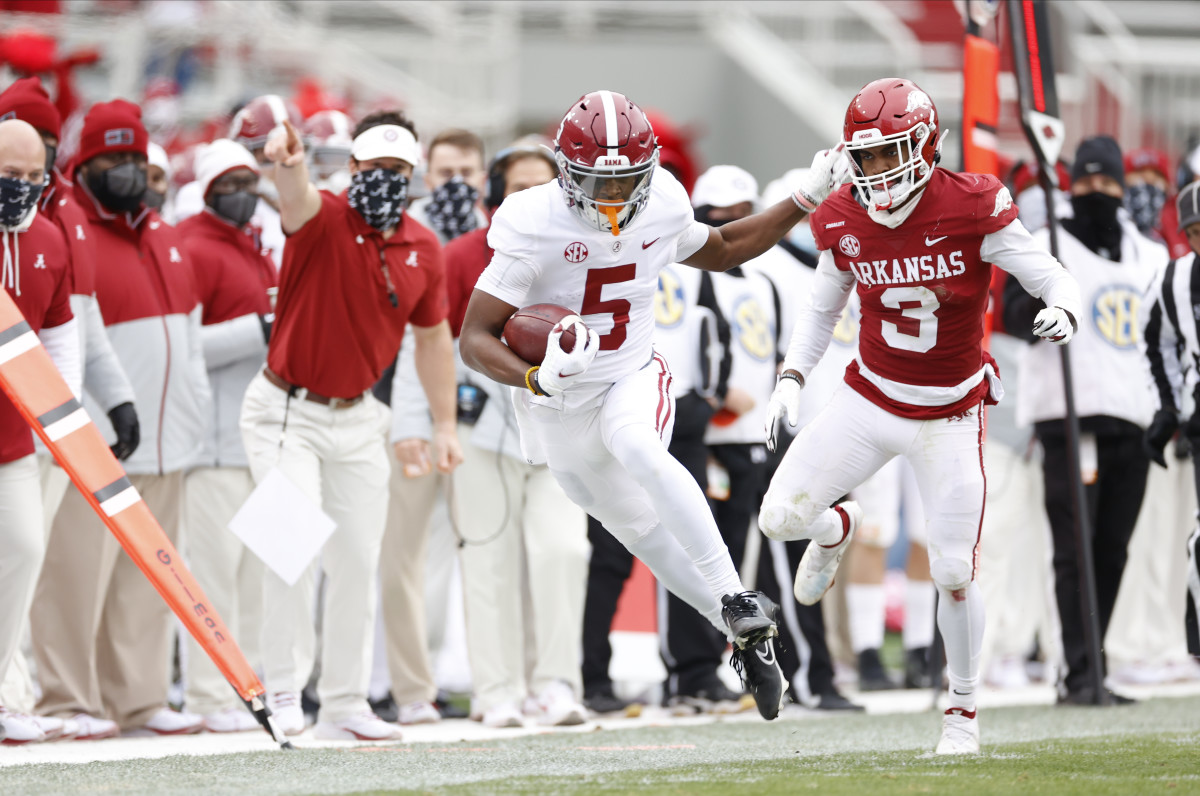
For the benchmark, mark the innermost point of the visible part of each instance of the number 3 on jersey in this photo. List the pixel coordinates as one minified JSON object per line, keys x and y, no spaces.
{"x":916,"y":327}
{"x":597,"y":278}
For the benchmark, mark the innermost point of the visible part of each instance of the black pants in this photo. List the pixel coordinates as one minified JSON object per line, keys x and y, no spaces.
{"x":1113,"y":503}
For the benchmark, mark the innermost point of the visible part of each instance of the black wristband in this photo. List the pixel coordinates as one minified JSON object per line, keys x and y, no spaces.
{"x":793,"y":375}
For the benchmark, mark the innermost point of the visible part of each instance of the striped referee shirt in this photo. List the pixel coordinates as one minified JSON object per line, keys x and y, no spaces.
{"x":1172,"y":331}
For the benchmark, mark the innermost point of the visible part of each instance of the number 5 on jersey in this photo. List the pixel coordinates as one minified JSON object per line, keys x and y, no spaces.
{"x":597,"y":278}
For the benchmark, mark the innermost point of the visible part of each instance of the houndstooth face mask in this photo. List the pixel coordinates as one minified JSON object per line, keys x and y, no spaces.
{"x":379,"y":196}
{"x":451,"y":208}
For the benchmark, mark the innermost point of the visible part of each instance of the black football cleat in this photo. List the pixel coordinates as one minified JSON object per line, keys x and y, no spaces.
{"x":761,"y":675}
{"x":750,"y":616}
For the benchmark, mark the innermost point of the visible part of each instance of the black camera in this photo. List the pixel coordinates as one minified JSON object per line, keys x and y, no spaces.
{"x":471,"y":401}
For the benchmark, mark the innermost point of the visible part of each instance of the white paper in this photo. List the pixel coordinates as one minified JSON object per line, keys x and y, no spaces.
{"x":282,"y":526}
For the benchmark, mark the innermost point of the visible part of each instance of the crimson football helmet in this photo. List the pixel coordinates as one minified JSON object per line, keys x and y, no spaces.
{"x":328,"y":136}
{"x":606,"y":153}
{"x":254,"y":122}
{"x":892,"y":111}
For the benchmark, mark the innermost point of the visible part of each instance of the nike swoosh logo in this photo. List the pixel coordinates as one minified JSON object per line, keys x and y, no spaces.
{"x":930,"y":241}
{"x":651,"y":243}
{"x":768,"y":659}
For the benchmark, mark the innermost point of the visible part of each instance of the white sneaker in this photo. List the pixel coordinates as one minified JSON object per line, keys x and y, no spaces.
{"x":507,"y":714}
{"x":232,"y":719}
{"x":54,"y":729}
{"x":366,"y":726}
{"x":286,"y":711}
{"x":418,"y":713}
{"x":174,"y":722}
{"x":820,"y":563}
{"x":960,"y":733}
{"x":558,"y":707}
{"x":20,"y":728}
{"x":92,"y":728}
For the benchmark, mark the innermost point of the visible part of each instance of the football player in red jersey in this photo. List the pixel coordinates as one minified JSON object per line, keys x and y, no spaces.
{"x":918,"y":244}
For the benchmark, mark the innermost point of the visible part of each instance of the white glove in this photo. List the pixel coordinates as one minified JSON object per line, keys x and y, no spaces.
{"x":1054,"y":324}
{"x":559,"y":368}
{"x":785,"y":401}
{"x":830,"y":168}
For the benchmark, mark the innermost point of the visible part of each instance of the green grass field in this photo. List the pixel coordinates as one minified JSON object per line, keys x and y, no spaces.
{"x":1151,"y":747}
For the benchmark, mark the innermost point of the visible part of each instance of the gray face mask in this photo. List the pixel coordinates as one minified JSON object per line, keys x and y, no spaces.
{"x":154,"y":199}
{"x":236,"y":208}
{"x":120,"y":188}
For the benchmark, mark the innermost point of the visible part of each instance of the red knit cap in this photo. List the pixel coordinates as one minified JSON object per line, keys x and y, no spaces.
{"x":112,"y":127}
{"x":28,"y":101}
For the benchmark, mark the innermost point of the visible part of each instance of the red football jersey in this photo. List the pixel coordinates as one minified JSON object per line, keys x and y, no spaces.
{"x":923,"y":289}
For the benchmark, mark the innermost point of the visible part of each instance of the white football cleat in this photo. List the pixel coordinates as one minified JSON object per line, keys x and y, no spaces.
{"x":19,"y":728}
{"x":91,"y":728}
{"x":232,"y":719}
{"x":558,"y":707}
{"x":365,"y":726}
{"x":820,"y":562}
{"x":960,"y":733}
{"x":506,"y":714}
{"x":286,"y":711}
{"x":173,"y":722}
{"x":418,"y":713}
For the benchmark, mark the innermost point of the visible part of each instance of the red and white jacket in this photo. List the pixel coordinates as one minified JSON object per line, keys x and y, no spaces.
{"x":147,"y":295}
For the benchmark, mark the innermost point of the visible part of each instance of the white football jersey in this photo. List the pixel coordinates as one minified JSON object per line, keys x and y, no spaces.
{"x":545,"y":254}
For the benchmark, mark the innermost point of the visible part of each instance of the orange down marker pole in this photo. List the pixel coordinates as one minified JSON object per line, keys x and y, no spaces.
{"x":43,"y":398}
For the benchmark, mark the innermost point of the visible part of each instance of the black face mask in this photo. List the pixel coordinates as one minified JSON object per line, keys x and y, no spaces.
{"x":1145,"y":204}
{"x":17,"y":198}
{"x":120,"y":188}
{"x":378,"y":195}
{"x":703,"y":214}
{"x":451,"y":208}
{"x":236,"y":208}
{"x":1095,"y":223}
{"x":153,"y":199}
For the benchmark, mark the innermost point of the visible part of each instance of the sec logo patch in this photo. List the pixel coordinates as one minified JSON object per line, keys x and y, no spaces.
{"x":849,"y":246}
{"x":1115,"y":315}
{"x":575,"y":252}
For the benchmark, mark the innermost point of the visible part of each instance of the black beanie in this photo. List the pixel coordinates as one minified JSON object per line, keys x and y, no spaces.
{"x":1099,"y":154}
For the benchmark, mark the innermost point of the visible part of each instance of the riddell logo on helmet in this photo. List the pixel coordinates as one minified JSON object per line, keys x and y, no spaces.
{"x":121,"y":136}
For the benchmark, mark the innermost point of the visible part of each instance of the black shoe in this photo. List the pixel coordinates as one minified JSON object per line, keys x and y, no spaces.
{"x":605,"y":701}
{"x":761,"y":675}
{"x":835,"y":701}
{"x":385,"y":708}
{"x":1087,"y":696}
{"x":871,"y":674}
{"x":916,"y":668}
{"x":448,"y":709}
{"x":712,"y":696}
{"x":750,"y":616}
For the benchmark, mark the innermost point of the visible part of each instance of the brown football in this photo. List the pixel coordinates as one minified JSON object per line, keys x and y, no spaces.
{"x":527,"y":330}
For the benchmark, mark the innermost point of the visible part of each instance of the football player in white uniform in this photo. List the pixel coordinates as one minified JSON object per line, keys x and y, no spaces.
{"x":917,"y":243}
{"x":601,"y":414}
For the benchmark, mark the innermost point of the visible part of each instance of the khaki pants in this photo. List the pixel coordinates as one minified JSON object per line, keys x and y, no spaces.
{"x":22,"y":546}
{"x":402,"y":574}
{"x":337,"y":457}
{"x":101,"y":633}
{"x":230,"y":575}
{"x":524,"y":572}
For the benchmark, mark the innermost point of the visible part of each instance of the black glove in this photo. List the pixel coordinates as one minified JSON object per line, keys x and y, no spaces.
{"x":125,"y":422}
{"x":1161,"y":429}
{"x":1191,"y":429}
{"x":267,"y":321}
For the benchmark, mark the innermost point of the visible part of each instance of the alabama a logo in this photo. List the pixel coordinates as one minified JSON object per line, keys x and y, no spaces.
{"x":575,"y":252}
{"x":849,"y":246}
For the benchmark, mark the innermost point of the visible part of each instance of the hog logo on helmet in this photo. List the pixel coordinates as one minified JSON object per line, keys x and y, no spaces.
{"x":606,"y":154}
{"x":892,"y":111}
{"x":254,"y":122}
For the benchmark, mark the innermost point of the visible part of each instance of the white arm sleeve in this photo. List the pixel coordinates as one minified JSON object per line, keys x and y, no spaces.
{"x":103,"y":377}
{"x":233,"y":340}
{"x":691,"y":240}
{"x":1015,"y":250}
{"x":818,"y":316}
{"x":62,"y":344}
